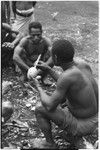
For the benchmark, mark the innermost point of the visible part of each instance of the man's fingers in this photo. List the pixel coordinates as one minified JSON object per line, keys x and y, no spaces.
{"x":7,"y":44}
{"x":4,"y":44}
{"x":40,"y":62}
{"x":38,"y":66}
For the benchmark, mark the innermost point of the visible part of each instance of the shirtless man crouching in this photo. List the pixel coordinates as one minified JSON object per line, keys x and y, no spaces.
{"x":78,"y":86}
{"x":29,"y":49}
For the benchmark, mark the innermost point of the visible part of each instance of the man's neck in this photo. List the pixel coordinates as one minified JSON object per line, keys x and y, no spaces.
{"x":68,"y":65}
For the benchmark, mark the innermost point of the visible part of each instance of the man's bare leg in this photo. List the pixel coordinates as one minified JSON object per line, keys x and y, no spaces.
{"x":44,"y":119}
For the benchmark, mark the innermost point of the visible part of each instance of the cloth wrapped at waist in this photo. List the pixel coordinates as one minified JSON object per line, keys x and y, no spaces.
{"x":25,"y":13}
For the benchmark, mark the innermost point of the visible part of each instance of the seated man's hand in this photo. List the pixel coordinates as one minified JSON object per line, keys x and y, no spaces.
{"x":8,"y":45}
{"x":43,"y":66}
{"x":32,"y":73}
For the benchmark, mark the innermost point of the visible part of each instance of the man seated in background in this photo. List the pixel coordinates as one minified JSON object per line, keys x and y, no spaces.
{"x":76,"y":86}
{"x":23,"y":13}
{"x":9,"y":39}
{"x":29,"y":48}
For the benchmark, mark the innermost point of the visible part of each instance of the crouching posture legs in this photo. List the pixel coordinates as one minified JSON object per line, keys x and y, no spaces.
{"x":44,"y":119}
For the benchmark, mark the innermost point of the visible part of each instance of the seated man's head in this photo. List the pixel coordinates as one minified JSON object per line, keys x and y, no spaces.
{"x":35,"y":31}
{"x":62,"y":52}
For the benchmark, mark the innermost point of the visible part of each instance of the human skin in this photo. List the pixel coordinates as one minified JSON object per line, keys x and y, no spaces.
{"x":29,"y":44}
{"x":77,"y":85}
{"x":82,"y":96}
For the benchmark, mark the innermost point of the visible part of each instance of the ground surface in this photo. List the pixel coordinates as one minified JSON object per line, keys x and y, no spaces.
{"x":76,"y":21}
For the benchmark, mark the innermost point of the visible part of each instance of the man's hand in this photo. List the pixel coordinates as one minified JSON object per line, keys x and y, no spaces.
{"x":8,"y":45}
{"x":43,"y":66}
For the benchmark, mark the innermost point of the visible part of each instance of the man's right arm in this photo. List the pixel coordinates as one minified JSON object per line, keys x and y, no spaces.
{"x":53,"y":74}
{"x":44,"y":67}
{"x":19,"y":50}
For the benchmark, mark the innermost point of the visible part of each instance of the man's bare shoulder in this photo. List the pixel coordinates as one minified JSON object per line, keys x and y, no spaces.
{"x":19,"y":48}
{"x":23,"y":41}
{"x":67,"y":77}
{"x":82,"y":64}
{"x":47,"y":40}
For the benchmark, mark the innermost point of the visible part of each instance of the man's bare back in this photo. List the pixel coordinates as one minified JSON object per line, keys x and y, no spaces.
{"x":81,"y":95}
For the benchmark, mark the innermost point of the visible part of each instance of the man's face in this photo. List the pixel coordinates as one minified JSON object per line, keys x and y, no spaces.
{"x":36,"y":35}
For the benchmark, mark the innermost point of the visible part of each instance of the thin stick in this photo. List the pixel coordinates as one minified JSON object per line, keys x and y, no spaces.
{"x":37,"y":60}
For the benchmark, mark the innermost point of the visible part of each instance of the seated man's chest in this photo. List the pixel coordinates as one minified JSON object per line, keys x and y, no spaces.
{"x":35,"y":49}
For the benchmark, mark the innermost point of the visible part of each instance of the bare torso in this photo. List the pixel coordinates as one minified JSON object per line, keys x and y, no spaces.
{"x":33,"y":50}
{"x":20,"y":5}
{"x":81,"y":94}
{"x":82,"y":98}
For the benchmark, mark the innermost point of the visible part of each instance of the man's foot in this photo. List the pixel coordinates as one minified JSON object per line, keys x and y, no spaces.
{"x":42,"y":143}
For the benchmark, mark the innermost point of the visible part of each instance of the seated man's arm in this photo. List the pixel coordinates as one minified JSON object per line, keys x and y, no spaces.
{"x":18,"y":52}
{"x":8,"y":28}
{"x":51,"y":102}
{"x":44,"y":67}
{"x":49,"y":60}
{"x":54,"y":74}
{"x":14,"y":43}
{"x":17,"y":39}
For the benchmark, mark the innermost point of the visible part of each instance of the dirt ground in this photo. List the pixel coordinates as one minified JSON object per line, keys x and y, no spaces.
{"x":76,"y":21}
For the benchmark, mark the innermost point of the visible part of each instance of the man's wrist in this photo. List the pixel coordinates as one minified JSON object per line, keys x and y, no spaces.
{"x":49,"y":69}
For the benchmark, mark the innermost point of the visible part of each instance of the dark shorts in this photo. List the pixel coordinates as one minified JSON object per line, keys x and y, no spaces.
{"x":78,"y":127}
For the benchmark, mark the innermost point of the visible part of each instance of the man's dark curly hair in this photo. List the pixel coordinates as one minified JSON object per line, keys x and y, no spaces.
{"x":64,"y":50}
{"x":36,"y":25}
